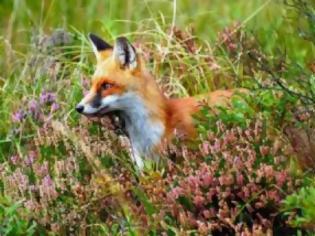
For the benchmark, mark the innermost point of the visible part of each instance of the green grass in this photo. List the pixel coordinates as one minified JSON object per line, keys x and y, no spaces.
{"x":267,"y":26}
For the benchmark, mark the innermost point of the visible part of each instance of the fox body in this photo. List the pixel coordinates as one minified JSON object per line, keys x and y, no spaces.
{"x":121,"y":84}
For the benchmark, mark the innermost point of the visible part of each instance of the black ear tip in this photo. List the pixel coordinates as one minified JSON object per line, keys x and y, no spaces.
{"x":92,"y":36}
{"x":99,"y":43}
{"x":122,"y":40}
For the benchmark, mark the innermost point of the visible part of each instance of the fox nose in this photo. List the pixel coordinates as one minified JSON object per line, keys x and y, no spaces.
{"x":79,"y":108}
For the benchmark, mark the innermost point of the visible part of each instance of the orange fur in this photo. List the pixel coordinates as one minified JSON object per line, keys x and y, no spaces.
{"x":174,"y":113}
{"x":161,"y":115}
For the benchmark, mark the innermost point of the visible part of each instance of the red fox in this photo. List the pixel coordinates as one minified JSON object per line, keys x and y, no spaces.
{"x":122,"y":84}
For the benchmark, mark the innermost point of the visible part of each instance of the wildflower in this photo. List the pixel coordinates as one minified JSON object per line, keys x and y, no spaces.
{"x":175,"y":193}
{"x":18,"y":116}
{"x":15,"y":159}
{"x":281,"y":178}
{"x":33,"y":108}
{"x":239,"y":179}
{"x":54,"y":107}
{"x":206,"y":180}
{"x":19,"y":180}
{"x":264,"y":150}
{"x":193,"y":182}
{"x":273,"y":195}
{"x":204,"y":148}
{"x":41,"y":169}
{"x":198,"y":200}
{"x":30,"y":158}
{"x":47,"y":97}
{"x":47,"y":189}
{"x":31,"y":205}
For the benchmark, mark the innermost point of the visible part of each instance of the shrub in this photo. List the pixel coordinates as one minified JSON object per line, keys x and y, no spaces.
{"x":233,"y":183}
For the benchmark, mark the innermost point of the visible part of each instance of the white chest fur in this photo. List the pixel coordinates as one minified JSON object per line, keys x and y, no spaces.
{"x":143,"y":132}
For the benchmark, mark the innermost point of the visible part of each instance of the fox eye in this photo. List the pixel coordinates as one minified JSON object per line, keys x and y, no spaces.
{"x":106,"y":86}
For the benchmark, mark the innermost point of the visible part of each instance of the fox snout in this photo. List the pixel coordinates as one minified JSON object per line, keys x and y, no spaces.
{"x":91,"y":104}
{"x":79,"y":108}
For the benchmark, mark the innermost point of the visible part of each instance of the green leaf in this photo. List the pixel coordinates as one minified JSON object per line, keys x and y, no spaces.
{"x":148,"y":206}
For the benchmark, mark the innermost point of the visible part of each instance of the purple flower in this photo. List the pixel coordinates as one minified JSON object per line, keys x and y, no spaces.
{"x":47,"y":189}
{"x":47,"y":97}
{"x":41,"y":169}
{"x":18,"y":116}
{"x":47,"y":181}
{"x":30,"y":158}
{"x":32,"y":106}
{"x":199,"y":200}
{"x":175,"y":193}
{"x":20,"y":180}
{"x":15,"y":159}
{"x":31,"y":205}
{"x":54,"y":107}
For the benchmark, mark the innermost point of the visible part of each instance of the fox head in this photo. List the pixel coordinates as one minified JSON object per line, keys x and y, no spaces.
{"x":117,"y":77}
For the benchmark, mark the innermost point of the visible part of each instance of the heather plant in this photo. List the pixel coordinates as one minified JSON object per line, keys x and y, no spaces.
{"x":233,"y":182}
{"x":250,"y":169}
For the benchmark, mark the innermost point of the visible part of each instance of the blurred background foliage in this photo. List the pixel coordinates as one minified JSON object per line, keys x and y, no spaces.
{"x":271,"y":20}
{"x":51,"y":158}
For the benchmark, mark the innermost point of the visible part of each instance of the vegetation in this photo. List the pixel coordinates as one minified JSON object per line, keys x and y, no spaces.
{"x":250,"y":171}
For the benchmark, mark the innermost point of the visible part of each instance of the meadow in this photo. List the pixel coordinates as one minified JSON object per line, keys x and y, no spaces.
{"x":250,"y":171}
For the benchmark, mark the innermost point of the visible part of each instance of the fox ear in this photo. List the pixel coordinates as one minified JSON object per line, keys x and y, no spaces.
{"x":98,"y":44}
{"x":125,"y":54}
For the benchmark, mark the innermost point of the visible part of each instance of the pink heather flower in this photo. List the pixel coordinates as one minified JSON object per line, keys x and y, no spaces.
{"x":18,"y":116}
{"x":47,"y":97}
{"x":41,"y":169}
{"x":238,"y":163}
{"x":246,"y":192}
{"x":47,"y":189}
{"x":264,"y":150}
{"x":199,"y":201}
{"x":229,"y":137}
{"x":248,"y":135}
{"x":206,"y":180}
{"x":205,"y":148}
{"x":268,"y":171}
{"x":32,"y":188}
{"x":47,"y":181}
{"x":15,"y":159}
{"x":31,"y":205}
{"x":216,"y":147}
{"x":273,"y":195}
{"x":33,"y":108}
{"x":54,"y":107}
{"x":239,"y":179}
{"x":226,"y":180}
{"x":281,"y":178}
{"x":175,"y":193}
{"x":30,"y":158}
{"x":20,"y":180}
{"x":206,"y":214}
{"x":193,"y":182}
{"x":212,"y":192}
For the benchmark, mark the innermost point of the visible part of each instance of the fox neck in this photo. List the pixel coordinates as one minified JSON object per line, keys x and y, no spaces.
{"x":148,"y":125}
{"x":144,"y":131}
